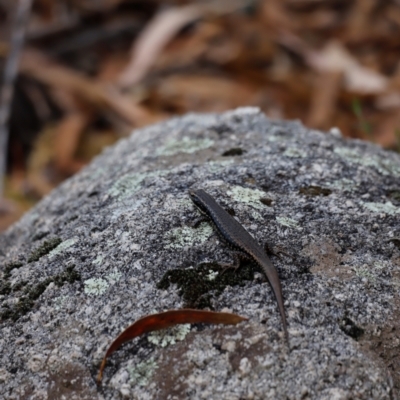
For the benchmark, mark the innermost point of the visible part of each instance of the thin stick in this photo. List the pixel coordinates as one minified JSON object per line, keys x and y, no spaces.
{"x":10,"y":74}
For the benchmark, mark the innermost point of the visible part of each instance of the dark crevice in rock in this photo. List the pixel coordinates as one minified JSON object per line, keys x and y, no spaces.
{"x":199,"y":285}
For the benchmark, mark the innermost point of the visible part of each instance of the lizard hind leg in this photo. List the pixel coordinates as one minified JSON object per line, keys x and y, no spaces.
{"x":195,"y":223}
{"x":276,"y":253}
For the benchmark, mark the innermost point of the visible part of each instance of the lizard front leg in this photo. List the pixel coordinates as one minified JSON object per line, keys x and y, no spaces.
{"x":238,"y":256}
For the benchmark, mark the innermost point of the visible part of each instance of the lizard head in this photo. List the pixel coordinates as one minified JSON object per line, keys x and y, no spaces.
{"x":198,"y":196}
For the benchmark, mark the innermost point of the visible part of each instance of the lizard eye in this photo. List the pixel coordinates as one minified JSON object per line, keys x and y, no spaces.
{"x":195,"y":198}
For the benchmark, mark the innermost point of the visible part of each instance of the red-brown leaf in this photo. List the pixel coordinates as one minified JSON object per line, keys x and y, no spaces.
{"x":166,"y":319}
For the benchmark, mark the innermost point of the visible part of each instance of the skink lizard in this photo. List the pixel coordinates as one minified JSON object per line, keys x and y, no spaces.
{"x":238,"y":239}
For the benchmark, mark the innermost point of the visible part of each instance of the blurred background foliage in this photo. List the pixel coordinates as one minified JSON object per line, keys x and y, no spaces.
{"x":92,"y":70}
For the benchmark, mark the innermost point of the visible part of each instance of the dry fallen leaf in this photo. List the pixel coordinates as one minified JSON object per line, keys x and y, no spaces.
{"x":335,"y":58}
{"x":323,"y":99}
{"x":205,"y":93}
{"x":69,"y":131}
{"x":104,"y":97}
{"x":164,"y":320}
{"x":387,"y":129}
{"x":160,"y":30}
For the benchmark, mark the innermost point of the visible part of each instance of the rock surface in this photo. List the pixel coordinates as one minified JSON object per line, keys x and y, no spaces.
{"x":114,"y":243}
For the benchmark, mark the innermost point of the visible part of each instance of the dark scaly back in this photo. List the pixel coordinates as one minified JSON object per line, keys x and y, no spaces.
{"x":231,"y":231}
{"x":235,"y":236}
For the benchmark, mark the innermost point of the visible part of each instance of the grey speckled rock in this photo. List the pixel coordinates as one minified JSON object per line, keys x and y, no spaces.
{"x":93,"y":257}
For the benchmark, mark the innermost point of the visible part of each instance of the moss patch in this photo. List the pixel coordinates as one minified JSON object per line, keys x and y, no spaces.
{"x":31,"y":294}
{"x":44,"y":249}
{"x":5,"y":287}
{"x":394,"y":195}
{"x":9,"y":267}
{"x":69,"y":275}
{"x":19,"y":285}
{"x":198,"y":285}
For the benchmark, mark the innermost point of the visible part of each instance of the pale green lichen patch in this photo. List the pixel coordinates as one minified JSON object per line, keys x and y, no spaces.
{"x":257,"y":216}
{"x":98,"y":260}
{"x":387,"y":208}
{"x":185,"y":203}
{"x":345,"y":185}
{"x":212,"y":275}
{"x":63,"y":246}
{"x":248,"y":196}
{"x":372,"y":272}
{"x":175,"y":203}
{"x":165,"y":337}
{"x":114,"y":277}
{"x":131,"y":183}
{"x":384,"y":165}
{"x":128,"y":184}
{"x":98,"y":286}
{"x":95,"y":286}
{"x":364,"y":272}
{"x":288,"y":222}
{"x":217,"y":166}
{"x":98,"y":173}
{"x":294,"y":152}
{"x":276,"y":138}
{"x":186,"y":237}
{"x":60,"y":301}
{"x":140,"y":374}
{"x":379,"y":265}
{"x":185,"y":145}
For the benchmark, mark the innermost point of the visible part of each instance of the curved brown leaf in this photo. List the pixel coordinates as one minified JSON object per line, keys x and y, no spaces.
{"x":153,"y":39}
{"x":166,"y":319}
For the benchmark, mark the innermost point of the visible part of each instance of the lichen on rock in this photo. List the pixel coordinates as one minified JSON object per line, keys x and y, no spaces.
{"x":117,"y":241}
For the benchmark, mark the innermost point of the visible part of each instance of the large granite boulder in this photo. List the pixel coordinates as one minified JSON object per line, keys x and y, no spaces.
{"x":116,"y":243}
